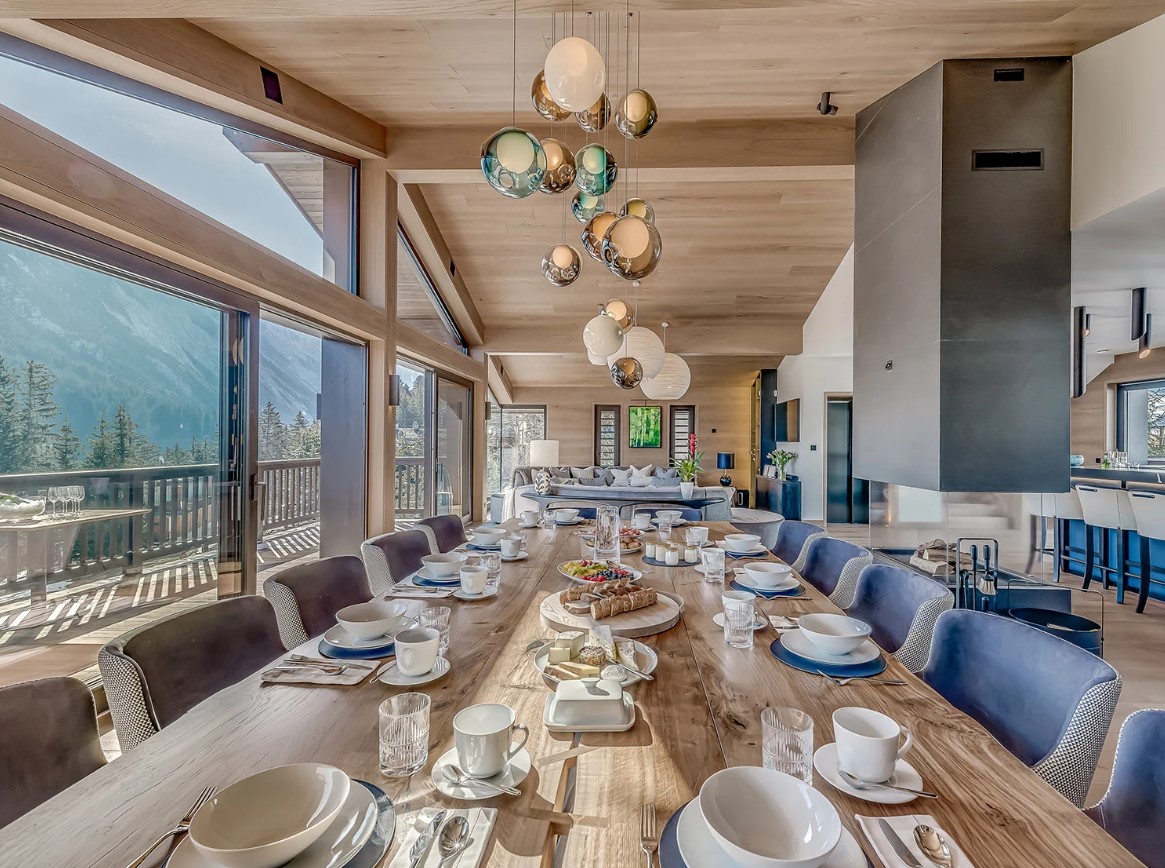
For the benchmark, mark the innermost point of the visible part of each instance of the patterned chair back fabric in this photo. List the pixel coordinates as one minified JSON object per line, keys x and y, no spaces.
{"x":1133,"y":809}
{"x":50,"y":741}
{"x":901,"y":607}
{"x":1047,"y":701}
{"x":793,"y":540}
{"x":155,"y":674}
{"x":307,"y":596}
{"x":833,"y":566}
{"x":445,"y":532}
{"x":391,"y":557}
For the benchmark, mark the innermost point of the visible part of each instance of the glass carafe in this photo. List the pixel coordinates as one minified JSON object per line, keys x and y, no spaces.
{"x":607,"y":533}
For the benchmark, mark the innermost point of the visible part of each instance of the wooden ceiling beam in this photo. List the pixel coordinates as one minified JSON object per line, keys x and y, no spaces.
{"x":724,"y":336}
{"x":499,"y":380}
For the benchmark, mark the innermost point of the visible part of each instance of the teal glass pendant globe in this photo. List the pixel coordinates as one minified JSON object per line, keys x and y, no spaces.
{"x":513,"y":162}
{"x":595,"y":169}
{"x":585,"y":206}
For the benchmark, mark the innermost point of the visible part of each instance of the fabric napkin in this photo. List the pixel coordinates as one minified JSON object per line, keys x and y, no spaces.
{"x":904,"y":826}
{"x":304,"y":675}
{"x":406,"y":588}
{"x":481,"y":823}
{"x":781,"y":623}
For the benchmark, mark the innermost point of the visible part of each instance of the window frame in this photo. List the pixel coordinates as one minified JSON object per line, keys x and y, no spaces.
{"x":443,"y":312}
{"x":618,"y":411}
{"x":1122,"y":407}
{"x":671,"y":428}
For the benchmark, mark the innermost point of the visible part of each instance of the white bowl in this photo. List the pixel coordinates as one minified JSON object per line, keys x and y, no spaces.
{"x":271,"y":817}
{"x":446,"y":565}
{"x":373,"y":619}
{"x":672,"y":515}
{"x":488,"y":536}
{"x":766,"y":574}
{"x":561,"y":515}
{"x":767,"y":819}
{"x":834,"y":634}
{"x":742,"y":542}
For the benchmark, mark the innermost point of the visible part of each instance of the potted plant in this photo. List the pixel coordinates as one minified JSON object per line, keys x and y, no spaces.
{"x":689,"y":467}
{"x":782,"y":458}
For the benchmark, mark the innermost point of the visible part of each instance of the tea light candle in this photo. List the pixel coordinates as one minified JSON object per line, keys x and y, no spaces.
{"x":690,"y":555}
{"x":649,"y":550}
{"x":672,"y":558}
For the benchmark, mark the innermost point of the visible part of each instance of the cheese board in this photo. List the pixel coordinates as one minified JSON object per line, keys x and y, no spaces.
{"x":660,"y":616}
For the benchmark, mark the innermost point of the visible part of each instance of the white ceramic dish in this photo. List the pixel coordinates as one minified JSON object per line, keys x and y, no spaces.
{"x":564,"y":515}
{"x":742,"y":543}
{"x":520,"y":556}
{"x":393,"y":676}
{"x":269,"y":818}
{"x":484,"y":595}
{"x":341,"y":638}
{"x":372,"y":620}
{"x":553,"y":724}
{"x":833,"y":634}
{"x":423,"y":573}
{"x":767,"y":819}
{"x":786,"y":584}
{"x":768,"y":574}
{"x":636,"y":575}
{"x":759,"y":551}
{"x":645,"y":661}
{"x":905,"y":775}
{"x":336,"y":847}
{"x":443,"y":566}
{"x":515,"y":772}
{"x":796,"y":642}
{"x":488,"y":536}
{"x":718,"y":620}
{"x":679,"y":522}
{"x":567,"y":522}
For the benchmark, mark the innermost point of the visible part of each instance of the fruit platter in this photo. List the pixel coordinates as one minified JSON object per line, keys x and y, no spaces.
{"x":592,"y":572}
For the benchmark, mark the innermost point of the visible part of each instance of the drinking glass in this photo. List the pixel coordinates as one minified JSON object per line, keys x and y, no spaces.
{"x":52,"y":498}
{"x":79,"y":496}
{"x":787,"y":741}
{"x":607,"y":534}
{"x":586,"y":548}
{"x":713,"y":559}
{"x":437,"y":617}
{"x":492,"y":561}
{"x":739,"y":614}
{"x":693,"y":536}
{"x":404,"y":734}
{"x":664,"y":528}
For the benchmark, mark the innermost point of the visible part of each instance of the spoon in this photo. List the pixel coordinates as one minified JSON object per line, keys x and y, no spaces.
{"x":859,"y":784}
{"x":933,"y":845}
{"x":457,"y":776}
{"x":454,"y":838}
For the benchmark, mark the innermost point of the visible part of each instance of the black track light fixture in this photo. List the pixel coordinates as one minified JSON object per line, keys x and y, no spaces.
{"x":1138,"y":313}
{"x":1087,"y":324}
{"x":1078,"y":333}
{"x":825,"y":107}
{"x":1147,"y":335}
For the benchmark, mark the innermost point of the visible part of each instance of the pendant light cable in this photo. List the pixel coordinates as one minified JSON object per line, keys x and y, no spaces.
{"x":514,"y":81}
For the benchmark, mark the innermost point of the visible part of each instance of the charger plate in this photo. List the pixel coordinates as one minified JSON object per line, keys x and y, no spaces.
{"x":860,"y":670}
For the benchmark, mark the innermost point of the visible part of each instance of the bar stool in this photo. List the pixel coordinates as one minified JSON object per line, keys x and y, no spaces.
{"x":1065,"y":508}
{"x":1106,"y":509}
{"x":1149,"y":510}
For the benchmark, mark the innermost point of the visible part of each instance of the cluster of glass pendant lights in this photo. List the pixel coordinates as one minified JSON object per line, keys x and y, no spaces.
{"x":517,"y":164}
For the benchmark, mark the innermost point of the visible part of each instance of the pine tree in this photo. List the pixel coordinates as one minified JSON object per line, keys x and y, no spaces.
{"x":8,"y":443}
{"x":100,"y":455}
{"x":175,"y":456}
{"x":273,"y":434}
{"x":67,"y":447}
{"x":36,"y":411}
{"x":303,"y":438}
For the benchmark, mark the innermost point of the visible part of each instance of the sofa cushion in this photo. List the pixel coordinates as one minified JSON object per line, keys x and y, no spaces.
{"x":583,"y":472}
{"x":542,"y":481}
{"x":622,"y":478}
{"x":667,"y":473}
{"x":666,"y":482}
{"x":645,"y":470}
{"x":563,"y":480}
{"x":522,"y":477}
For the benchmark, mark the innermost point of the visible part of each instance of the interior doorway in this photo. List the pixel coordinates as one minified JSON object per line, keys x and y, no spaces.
{"x":847,"y":498}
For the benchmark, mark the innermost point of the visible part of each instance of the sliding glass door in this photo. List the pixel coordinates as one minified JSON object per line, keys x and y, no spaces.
{"x":454,"y":468}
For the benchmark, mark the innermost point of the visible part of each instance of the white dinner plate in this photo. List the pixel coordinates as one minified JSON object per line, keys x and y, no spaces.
{"x":636,"y":575}
{"x":570,"y":523}
{"x":520,"y":556}
{"x":392,"y":675}
{"x":785,"y":584}
{"x":484,"y":595}
{"x":718,"y":620}
{"x":700,"y":850}
{"x":512,"y":776}
{"x":645,"y":661}
{"x":905,"y":775}
{"x":753,"y":554}
{"x":427,"y":574}
{"x":340,"y":842}
{"x":341,"y":638}
{"x":679,"y":522}
{"x":796,"y":642}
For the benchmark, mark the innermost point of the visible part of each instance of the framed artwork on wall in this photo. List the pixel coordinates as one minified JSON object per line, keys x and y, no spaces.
{"x":645,"y":427}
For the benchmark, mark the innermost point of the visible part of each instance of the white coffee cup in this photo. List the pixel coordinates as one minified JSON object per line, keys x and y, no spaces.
{"x":529,"y":518}
{"x":416,"y":650}
{"x":867,"y":743}
{"x":474,"y":579}
{"x":483,"y":735}
{"x":511,"y":546}
{"x":643,"y":520}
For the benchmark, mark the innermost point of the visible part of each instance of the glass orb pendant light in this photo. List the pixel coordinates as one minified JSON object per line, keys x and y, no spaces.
{"x":637,"y":114}
{"x":644,"y":345}
{"x":672,"y":381}
{"x":575,"y":73}
{"x":598,"y":361}
{"x":631,"y":248}
{"x":602,"y":336}
{"x":561,"y":265}
{"x":595,"y":118}
{"x":596,"y":169}
{"x":626,"y":373}
{"x":620,"y":311}
{"x":593,"y":232}
{"x":513,"y":162}
{"x":559,"y":167}
{"x":585,"y":206}
{"x":635,"y":207}
{"x":544,"y":103}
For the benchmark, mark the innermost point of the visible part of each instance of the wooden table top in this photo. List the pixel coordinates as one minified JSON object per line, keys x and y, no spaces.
{"x":701,"y":713}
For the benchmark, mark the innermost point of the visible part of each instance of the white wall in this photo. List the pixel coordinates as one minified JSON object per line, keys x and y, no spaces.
{"x":825,"y":366}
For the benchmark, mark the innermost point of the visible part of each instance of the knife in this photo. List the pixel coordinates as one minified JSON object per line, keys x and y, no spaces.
{"x":421,"y":848}
{"x":899,"y":846}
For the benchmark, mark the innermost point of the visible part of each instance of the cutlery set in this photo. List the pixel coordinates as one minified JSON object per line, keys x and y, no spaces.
{"x":452,"y":837}
{"x":930,"y":841}
{"x":180,"y":828}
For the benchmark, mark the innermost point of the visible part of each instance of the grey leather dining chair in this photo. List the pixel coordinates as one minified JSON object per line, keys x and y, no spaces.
{"x":445,"y":532}
{"x":307,"y":596}
{"x":393,"y":557}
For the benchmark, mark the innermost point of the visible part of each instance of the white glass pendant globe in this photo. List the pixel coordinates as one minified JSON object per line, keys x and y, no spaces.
{"x":513,"y":162}
{"x":642,"y":344}
{"x":602,"y":336}
{"x":672,"y":381}
{"x":598,"y":361}
{"x":561,"y":264}
{"x":575,"y":73}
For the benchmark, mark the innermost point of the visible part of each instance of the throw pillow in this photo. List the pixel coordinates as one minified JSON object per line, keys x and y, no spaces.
{"x":645,"y":470}
{"x":621,"y":477}
{"x":667,"y":473}
{"x":583,"y":472}
{"x":542,"y":481}
{"x":665,"y":482}
{"x":560,"y":471}
{"x":563,"y":480}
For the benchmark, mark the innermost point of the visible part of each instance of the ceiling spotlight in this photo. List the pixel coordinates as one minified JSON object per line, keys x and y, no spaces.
{"x":1146,"y":336}
{"x":825,"y":107}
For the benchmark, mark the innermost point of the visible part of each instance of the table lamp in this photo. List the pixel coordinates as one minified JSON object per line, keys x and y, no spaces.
{"x":725,"y":461}
{"x":543,"y":453}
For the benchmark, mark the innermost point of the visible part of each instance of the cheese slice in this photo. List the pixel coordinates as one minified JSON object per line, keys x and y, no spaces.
{"x":558,"y":655}
{"x":571,"y":640}
{"x":601,"y":636}
{"x":625,"y":652}
{"x":580,"y":670}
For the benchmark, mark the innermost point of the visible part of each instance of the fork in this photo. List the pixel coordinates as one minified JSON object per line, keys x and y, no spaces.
{"x":650,"y":842}
{"x":181,"y":828}
{"x":842,"y":682}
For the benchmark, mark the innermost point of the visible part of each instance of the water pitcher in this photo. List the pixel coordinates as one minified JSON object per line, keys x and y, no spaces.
{"x":607,"y":533}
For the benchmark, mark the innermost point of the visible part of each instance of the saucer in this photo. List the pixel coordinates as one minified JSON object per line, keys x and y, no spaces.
{"x":512,"y":776}
{"x":755,"y":553}
{"x":679,"y":522}
{"x":786,"y":584}
{"x":796,"y":642}
{"x":718,"y":620}
{"x":825,"y":762}
{"x":484,"y":595}
{"x":520,"y":556}
{"x":340,"y":638}
{"x":392,"y":675}
{"x":570,"y":523}
{"x":686,"y":842}
{"x":337,"y":846}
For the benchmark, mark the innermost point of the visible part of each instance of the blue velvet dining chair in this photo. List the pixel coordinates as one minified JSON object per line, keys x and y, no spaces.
{"x":833,"y":565}
{"x":1047,"y":701}
{"x":445,"y":532}
{"x":901,"y":607}
{"x":793,"y":540}
{"x":307,"y":596}
{"x":1133,"y":808}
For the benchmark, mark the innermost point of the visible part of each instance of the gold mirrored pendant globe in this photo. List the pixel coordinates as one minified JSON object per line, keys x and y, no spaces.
{"x":631,"y":248}
{"x":559,"y":167}
{"x":513,"y":162}
{"x":561,"y":265}
{"x":621,"y":312}
{"x":596,"y":169}
{"x":626,"y":373}
{"x":637,"y":114}
{"x":584,"y":206}
{"x":595,"y":118}
{"x":635,"y":208}
{"x":544,"y":103}
{"x":593,"y":232}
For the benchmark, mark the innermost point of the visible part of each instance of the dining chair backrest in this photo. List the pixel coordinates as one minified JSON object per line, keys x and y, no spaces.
{"x":307,"y":596}
{"x":1047,"y":701}
{"x":156,"y":673}
{"x":1133,"y":808}
{"x":1149,"y":512}
{"x":49,"y":742}
{"x":445,"y":532}
{"x":793,"y":538}
{"x":392,"y":557}
{"x":901,"y":606}
{"x":833,"y":566}
{"x":1106,"y":507}
{"x":1066,"y":505}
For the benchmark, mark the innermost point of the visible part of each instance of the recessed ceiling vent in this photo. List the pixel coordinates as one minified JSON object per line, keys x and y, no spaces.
{"x":1014,"y":73}
{"x":1007,"y":161}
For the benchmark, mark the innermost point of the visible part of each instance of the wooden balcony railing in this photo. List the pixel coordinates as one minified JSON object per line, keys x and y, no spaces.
{"x":410,"y":486}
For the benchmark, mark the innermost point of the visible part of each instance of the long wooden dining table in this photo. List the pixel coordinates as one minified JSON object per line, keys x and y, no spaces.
{"x":578,"y":807}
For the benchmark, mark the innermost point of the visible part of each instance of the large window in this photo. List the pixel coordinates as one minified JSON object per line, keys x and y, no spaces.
{"x":509,"y":431}
{"x":418,"y":304}
{"x":1140,"y":427}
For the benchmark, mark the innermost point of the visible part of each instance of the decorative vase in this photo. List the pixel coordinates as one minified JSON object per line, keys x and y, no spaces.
{"x":687,"y":489}
{"x":782,"y":472}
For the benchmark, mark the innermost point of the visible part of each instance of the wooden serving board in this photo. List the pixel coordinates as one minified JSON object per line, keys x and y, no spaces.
{"x":664,"y":615}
